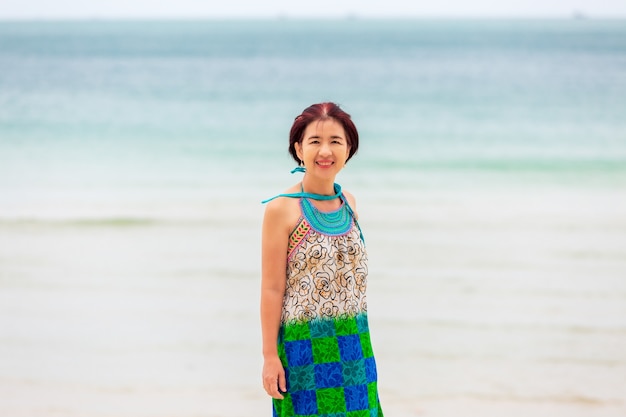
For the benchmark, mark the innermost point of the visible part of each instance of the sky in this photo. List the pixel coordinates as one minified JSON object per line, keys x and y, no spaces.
{"x":94,"y":9}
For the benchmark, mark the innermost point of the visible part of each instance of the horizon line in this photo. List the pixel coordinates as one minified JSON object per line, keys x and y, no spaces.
{"x":284,"y":17}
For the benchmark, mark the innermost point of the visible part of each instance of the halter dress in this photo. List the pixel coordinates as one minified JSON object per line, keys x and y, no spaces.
{"x":324,"y":338}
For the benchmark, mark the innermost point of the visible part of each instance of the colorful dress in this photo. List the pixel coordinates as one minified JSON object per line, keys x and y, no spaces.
{"x":324,"y":340}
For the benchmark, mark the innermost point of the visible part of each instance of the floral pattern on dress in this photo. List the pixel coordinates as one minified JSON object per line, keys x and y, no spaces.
{"x":326,"y":275}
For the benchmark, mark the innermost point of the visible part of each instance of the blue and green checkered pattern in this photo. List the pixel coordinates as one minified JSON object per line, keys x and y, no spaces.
{"x":330,"y":369}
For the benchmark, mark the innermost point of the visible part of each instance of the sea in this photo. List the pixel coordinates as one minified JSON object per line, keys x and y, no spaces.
{"x":490,"y":183}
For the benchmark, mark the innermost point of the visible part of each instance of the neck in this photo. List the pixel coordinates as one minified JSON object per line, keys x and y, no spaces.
{"x":326,"y":187}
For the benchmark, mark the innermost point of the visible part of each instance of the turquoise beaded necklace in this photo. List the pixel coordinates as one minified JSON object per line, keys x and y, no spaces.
{"x":334,"y":223}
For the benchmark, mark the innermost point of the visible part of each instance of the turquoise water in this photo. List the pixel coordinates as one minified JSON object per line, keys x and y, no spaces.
{"x":158,"y":103}
{"x":490,"y":185}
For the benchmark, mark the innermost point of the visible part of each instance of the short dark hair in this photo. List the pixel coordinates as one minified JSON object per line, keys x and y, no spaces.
{"x":323,"y":111}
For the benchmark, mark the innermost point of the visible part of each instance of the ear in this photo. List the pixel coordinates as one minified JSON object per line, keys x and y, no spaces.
{"x":298,"y":147}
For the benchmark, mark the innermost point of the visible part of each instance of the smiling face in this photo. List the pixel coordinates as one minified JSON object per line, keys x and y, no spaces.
{"x":324,"y":148}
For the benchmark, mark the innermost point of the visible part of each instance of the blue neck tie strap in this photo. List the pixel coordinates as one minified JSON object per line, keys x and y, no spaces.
{"x":309,"y":195}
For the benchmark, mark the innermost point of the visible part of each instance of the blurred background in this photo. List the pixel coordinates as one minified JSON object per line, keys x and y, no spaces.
{"x":138,"y":140}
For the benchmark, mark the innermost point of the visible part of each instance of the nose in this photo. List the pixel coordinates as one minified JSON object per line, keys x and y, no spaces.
{"x":325,"y":149}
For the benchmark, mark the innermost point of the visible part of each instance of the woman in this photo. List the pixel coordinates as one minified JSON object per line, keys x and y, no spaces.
{"x":318,"y":357}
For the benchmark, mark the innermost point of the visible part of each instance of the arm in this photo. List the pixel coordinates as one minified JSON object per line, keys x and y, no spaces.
{"x":273,"y":281}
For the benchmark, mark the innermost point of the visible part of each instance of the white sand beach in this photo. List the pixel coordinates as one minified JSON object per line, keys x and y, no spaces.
{"x":481,"y":303}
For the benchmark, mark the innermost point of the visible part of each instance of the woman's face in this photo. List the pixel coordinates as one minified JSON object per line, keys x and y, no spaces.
{"x":324,"y":148}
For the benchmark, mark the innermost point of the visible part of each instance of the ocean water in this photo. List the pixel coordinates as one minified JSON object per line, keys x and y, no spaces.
{"x":490,"y":182}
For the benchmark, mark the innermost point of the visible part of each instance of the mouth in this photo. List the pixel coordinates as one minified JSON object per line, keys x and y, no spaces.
{"x":324,"y":164}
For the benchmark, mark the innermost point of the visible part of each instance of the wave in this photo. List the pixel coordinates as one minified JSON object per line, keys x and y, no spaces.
{"x":546,"y":166}
{"x":573,"y":398}
{"x":107,"y":222}
{"x":476,"y":325}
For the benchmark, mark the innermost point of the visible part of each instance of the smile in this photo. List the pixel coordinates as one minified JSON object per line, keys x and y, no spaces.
{"x":324,"y":163}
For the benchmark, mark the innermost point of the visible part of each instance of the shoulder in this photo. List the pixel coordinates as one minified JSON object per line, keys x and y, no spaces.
{"x":283,"y":211}
{"x":350,"y":197}
{"x":351,"y":201}
{"x":279,"y":204}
